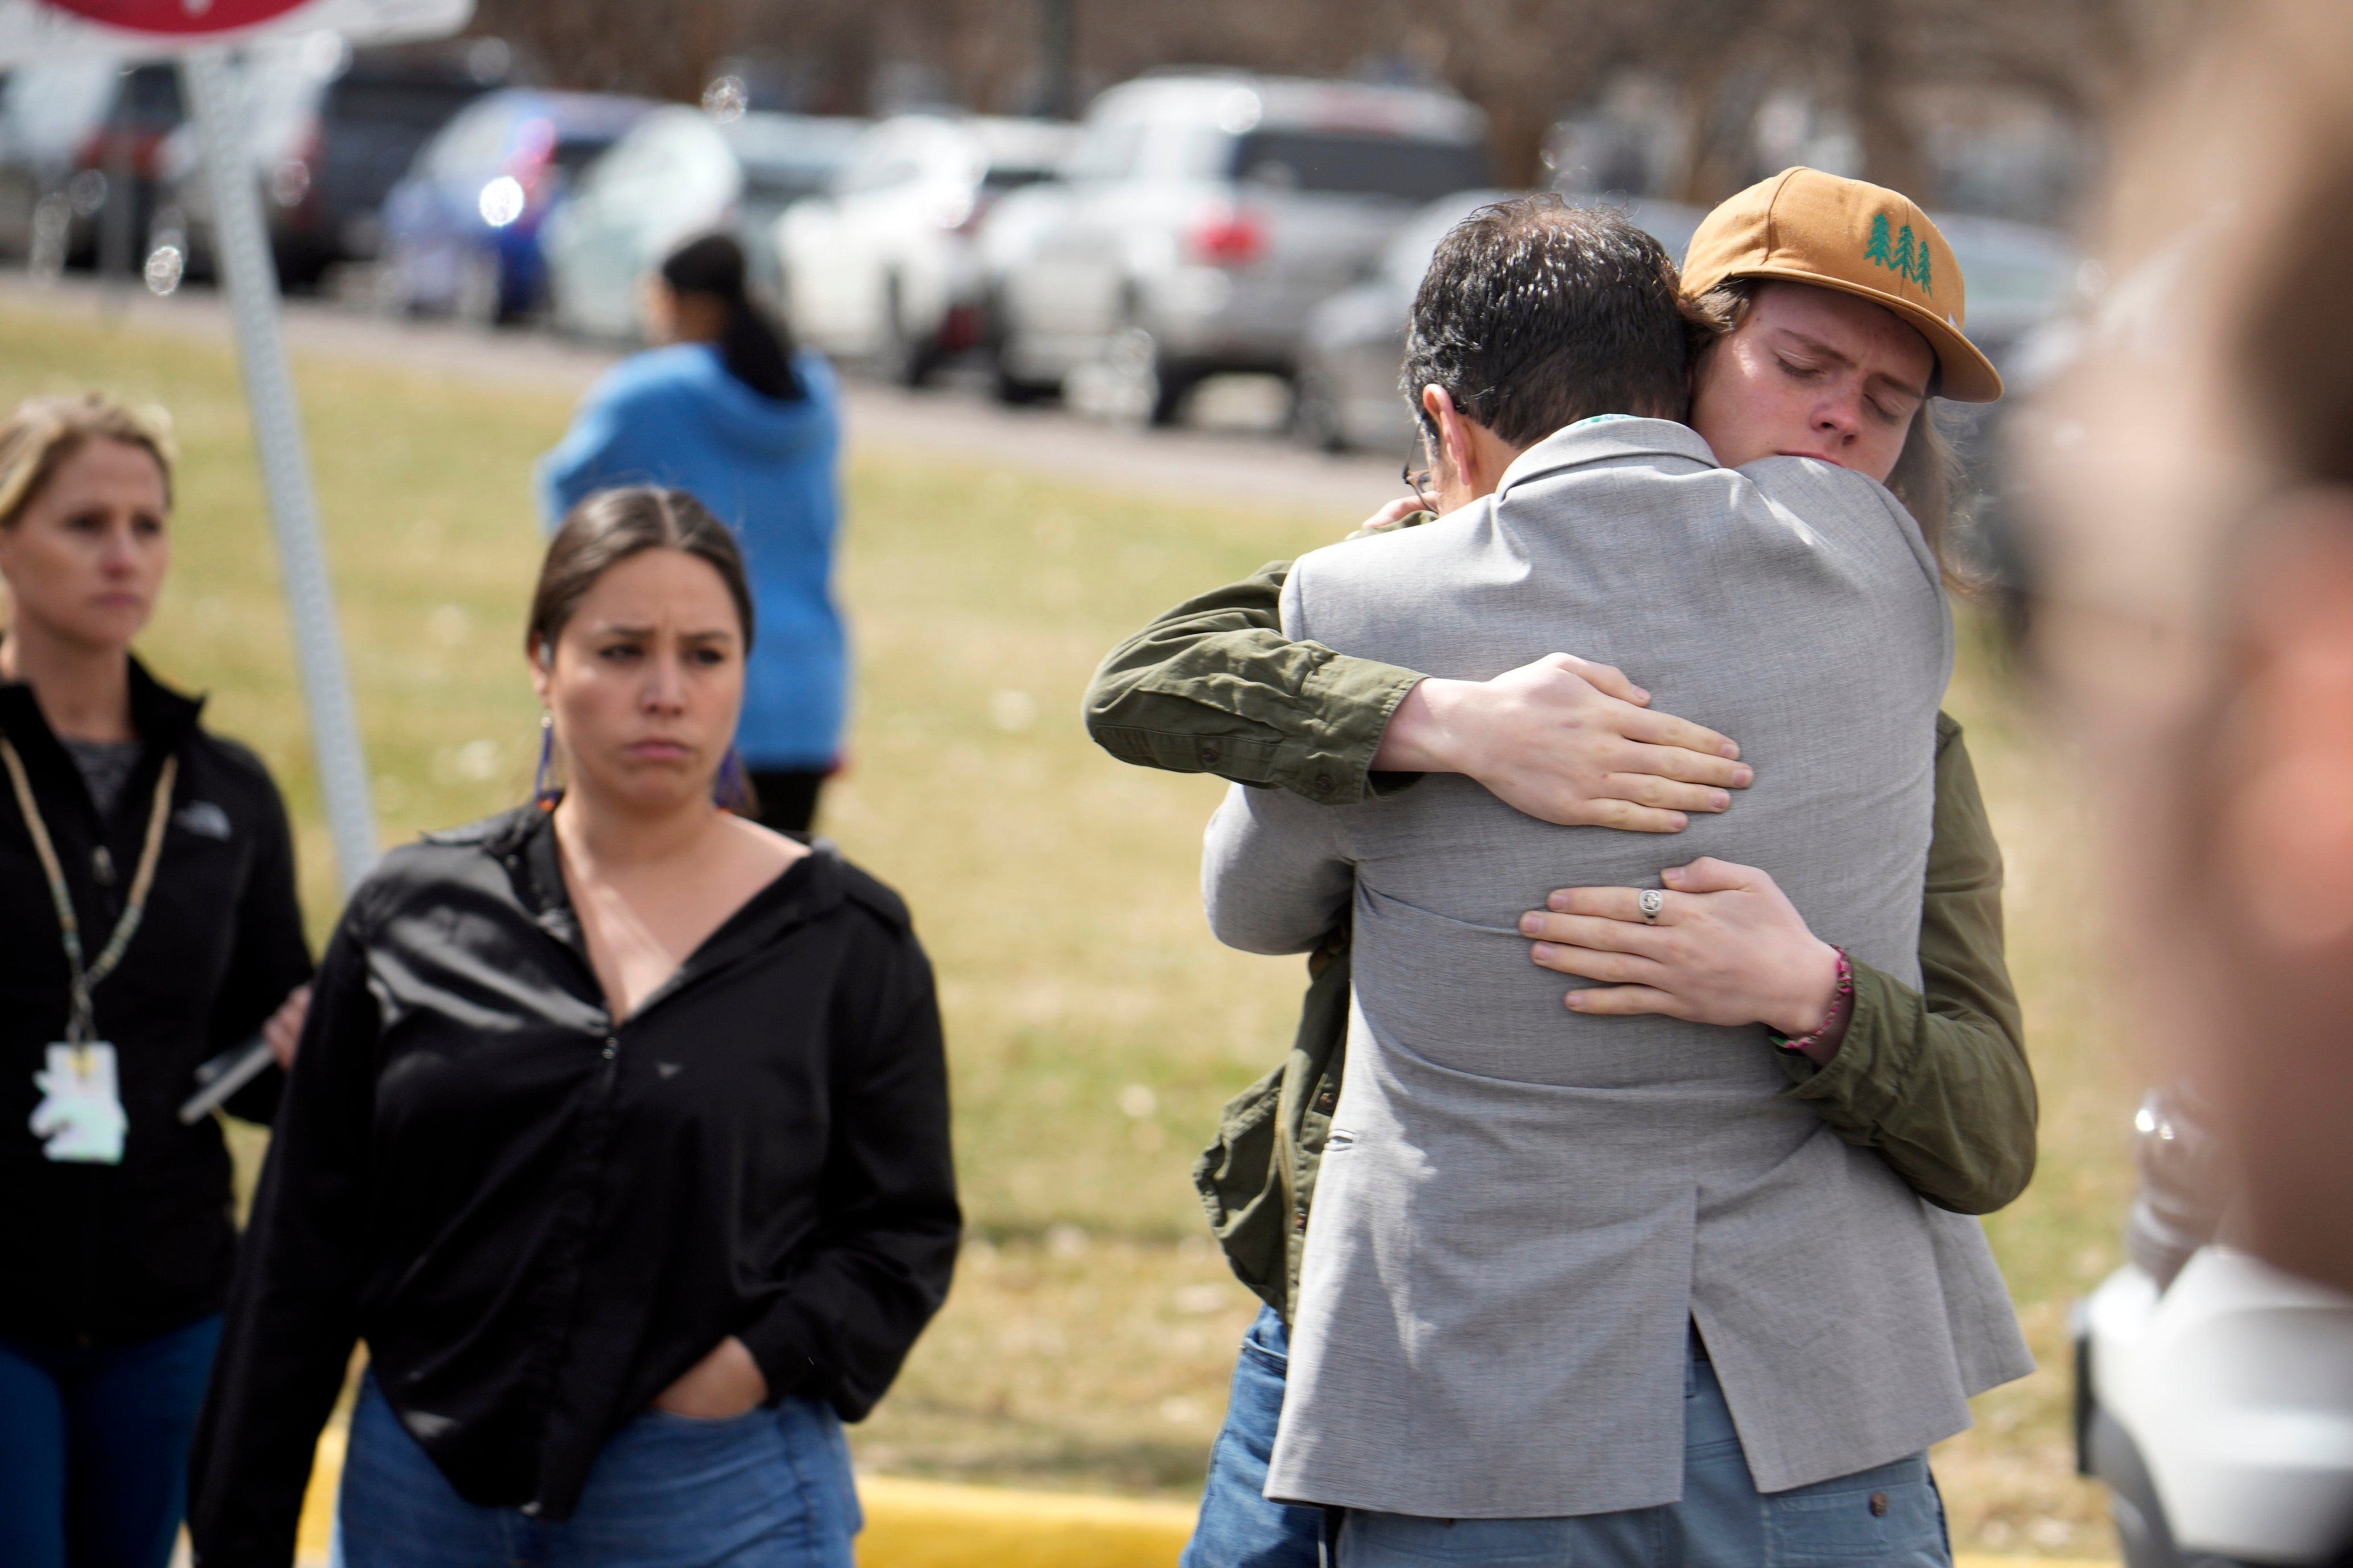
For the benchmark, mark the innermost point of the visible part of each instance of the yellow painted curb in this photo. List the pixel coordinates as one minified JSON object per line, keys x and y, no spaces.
{"x":934,"y":1524}
{"x":316,"y":1532}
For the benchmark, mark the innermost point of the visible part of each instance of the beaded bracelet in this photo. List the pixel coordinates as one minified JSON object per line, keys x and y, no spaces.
{"x":1838,"y":1002}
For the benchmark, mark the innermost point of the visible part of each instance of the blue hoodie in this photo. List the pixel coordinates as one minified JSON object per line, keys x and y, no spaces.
{"x":675,"y":416}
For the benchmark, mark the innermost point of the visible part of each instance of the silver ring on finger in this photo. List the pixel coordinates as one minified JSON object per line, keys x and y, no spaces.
{"x":1651,"y":902}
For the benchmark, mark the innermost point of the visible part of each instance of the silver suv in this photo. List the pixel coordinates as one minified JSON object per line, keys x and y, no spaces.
{"x":1205,"y":214}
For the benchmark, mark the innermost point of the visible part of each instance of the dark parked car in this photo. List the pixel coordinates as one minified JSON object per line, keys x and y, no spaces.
{"x":462,"y":230}
{"x":81,"y":141}
{"x":330,"y":131}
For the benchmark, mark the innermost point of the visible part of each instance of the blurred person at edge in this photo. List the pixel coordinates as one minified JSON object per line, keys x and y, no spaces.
{"x":619,"y":1134}
{"x":729,"y":412}
{"x":169,"y":845}
{"x":2193,"y":610}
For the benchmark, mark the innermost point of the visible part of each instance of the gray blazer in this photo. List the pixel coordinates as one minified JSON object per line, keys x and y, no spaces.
{"x":1520,"y":1208}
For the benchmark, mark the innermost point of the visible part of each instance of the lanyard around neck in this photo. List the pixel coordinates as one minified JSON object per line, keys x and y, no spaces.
{"x":81,"y":1026}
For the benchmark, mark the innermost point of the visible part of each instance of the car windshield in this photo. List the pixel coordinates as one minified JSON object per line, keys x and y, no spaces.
{"x":152,"y":97}
{"x":1001,"y":179}
{"x":421,"y":103}
{"x":574,"y":153}
{"x":1350,"y":165}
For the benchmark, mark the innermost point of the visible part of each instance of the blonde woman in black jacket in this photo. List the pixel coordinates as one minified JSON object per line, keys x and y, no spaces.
{"x":148,"y":921}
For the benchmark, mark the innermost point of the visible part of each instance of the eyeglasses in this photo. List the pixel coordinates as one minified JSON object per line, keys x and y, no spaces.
{"x":1418,"y":481}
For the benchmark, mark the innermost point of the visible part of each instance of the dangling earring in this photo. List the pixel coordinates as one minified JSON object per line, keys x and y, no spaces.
{"x":731,"y":791}
{"x":544,"y":793}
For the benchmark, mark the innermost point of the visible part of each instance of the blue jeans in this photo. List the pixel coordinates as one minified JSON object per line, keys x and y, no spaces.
{"x":1237,"y":1527}
{"x":1889,"y":1517}
{"x":94,"y":1447}
{"x":770,"y":1488}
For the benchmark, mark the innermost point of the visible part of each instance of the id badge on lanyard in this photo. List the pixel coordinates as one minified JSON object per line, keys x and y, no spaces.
{"x":80,"y":1119}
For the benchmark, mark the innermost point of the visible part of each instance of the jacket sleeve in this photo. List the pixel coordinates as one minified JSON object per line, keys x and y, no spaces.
{"x":1274,"y":873}
{"x":1213,"y":686}
{"x":1937,"y":1080}
{"x":270,"y":955}
{"x":293,"y":1305}
{"x":860,"y":1290}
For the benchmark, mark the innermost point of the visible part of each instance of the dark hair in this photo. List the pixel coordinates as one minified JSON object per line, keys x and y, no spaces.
{"x":1536,"y":314}
{"x":755,"y":348}
{"x":1927,"y":472}
{"x":609,"y":528}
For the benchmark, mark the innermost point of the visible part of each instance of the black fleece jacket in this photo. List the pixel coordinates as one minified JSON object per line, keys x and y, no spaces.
{"x":109,"y":1254}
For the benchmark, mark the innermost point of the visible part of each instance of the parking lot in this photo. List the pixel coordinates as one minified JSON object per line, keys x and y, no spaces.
{"x":1234,"y":444}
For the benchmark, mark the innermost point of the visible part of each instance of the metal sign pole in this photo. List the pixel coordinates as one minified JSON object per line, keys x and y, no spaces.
{"x":251,"y":279}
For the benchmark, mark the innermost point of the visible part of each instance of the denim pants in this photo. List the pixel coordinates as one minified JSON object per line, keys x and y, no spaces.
{"x":1237,"y":1527}
{"x":94,"y":1448}
{"x":769,"y":1488}
{"x":1889,"y":1516}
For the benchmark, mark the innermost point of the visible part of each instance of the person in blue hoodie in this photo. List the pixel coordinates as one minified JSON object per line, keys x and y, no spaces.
{"x":730,"y":411}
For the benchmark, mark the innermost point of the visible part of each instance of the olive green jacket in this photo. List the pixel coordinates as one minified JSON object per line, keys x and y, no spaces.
{"x":1936,"y":1079}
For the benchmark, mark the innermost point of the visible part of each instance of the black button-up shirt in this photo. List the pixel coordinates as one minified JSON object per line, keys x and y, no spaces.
{"x":538,"y":1217}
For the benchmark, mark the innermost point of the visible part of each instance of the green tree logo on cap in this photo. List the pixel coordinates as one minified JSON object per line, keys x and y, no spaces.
{"x":1902,"y":256}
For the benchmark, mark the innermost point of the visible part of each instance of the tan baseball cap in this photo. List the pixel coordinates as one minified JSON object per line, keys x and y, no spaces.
{"x":1861,"y":239}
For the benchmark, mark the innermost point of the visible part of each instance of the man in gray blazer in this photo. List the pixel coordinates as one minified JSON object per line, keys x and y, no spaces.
{"x":1551,"y":1253}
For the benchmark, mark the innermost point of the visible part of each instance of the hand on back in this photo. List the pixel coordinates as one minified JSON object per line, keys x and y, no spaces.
{"x":1564,"y":739}
{"x":1567,"y":740}
{"x":1725,"y":947}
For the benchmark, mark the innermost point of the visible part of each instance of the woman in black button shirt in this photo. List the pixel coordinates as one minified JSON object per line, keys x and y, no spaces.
{"x":619,"y":1134}
{"x":168,"y":847}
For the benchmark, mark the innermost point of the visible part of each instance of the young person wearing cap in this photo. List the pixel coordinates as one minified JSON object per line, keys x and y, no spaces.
{"x":1933,"y":1077}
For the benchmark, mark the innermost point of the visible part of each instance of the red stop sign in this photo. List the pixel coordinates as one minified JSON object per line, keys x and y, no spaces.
{"x":181,"y":18}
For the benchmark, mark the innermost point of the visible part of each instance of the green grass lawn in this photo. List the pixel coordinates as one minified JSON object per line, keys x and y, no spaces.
{"x":1093,"y":1025}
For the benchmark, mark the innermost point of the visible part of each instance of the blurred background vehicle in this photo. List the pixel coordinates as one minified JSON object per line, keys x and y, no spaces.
{"x":1006,"y":244}
{"x":2213,"y":1393}
{"x":885,"y":267}
{"x":330,"y":131}
{"x":679,"y":172}
{"x":1207,"y":212}
{"x":462,"y":230}
{"x":79,"y":143}
{"x":1344,"y":392}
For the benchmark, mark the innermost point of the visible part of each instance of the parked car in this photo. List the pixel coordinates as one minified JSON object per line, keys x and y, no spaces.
{"x":2213,"y":1393}
{"x":680,"y":172}
{"x":1008,"y":241}
{"x":79,"y":139}
{"x":329,"y":131}
{"x":885,"y":267}
{"x":1347,"y":391}
{"x":461,"y":229}
{"x":1208,"y":212}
